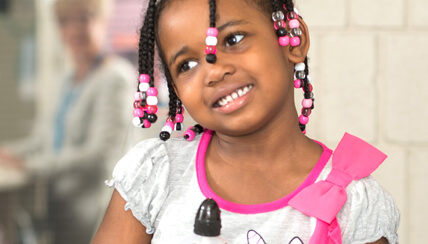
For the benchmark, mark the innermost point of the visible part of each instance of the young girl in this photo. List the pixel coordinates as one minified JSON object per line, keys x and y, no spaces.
{"x":233,"y":65}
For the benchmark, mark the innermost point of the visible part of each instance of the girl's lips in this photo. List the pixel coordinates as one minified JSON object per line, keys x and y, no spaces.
{"x":233,"y":96}
{"x":236,"y":103}
{"x":229,"y":94}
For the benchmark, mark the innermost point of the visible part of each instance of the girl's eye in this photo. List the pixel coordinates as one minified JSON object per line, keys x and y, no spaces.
{"x":234,"y":39}
{"x":186,"y":66}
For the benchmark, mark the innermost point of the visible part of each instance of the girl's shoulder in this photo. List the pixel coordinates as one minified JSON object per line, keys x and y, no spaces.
{"x":145,"y":175}
{"x":154,"y":153}
{"x":369,"y":213}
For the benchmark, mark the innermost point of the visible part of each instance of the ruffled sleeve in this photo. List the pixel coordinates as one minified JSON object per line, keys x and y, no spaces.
{"x":369,"y":214}
{"x":141,"y":178}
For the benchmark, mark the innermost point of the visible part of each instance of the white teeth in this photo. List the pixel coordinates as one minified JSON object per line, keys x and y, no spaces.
{"x":236,"y":94}
{"x":240,"y":92}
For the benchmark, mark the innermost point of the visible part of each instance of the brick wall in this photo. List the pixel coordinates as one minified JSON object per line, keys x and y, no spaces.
{"x":368,"y":63}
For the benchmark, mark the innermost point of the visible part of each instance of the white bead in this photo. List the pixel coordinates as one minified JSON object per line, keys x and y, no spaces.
{"x":144,"y":86}
{"x":211,"y":41}
{"x":299,"y":67}
{"x":167,"y":129}
{"x":136,"y":121}
{"x":152,"y":100}
{"x":308,"y":77}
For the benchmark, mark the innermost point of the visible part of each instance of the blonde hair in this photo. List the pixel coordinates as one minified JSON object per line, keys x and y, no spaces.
{"x":101,"y":8}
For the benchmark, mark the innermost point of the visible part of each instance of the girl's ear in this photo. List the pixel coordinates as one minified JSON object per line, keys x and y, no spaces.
{"x":298,"y":54}
{"x":175,"y":89}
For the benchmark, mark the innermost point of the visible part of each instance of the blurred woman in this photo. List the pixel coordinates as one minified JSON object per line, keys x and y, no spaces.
{"x":70,"y":144}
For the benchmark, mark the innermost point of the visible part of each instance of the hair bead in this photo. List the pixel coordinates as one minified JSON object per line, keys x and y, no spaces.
{"x":294,"y":23}
{"x":192,"y":131}
{"x":284,"y":41}
{"x":303,"y":119}
{"x":143,"y":86}
{"x":152,"y":91}
{"x":279,"y":24}
{"x":212,"y":32}
{"x":143,"y":78}
{"x":295,"y":41}
{"x":307,"y":103}
{"x":277,"y":15}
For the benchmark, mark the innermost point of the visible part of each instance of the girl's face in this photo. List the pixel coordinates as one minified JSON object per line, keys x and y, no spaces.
{"x":250,"y":64}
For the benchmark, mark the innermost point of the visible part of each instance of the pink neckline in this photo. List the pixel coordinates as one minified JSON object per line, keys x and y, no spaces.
{"x":253,"y":208}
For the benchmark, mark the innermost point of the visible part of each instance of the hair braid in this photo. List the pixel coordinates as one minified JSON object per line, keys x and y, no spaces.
{"x":212,"y":12}
{"x":288,"y":4}
{"x":147,"y":43}
{"x":275,"y":6}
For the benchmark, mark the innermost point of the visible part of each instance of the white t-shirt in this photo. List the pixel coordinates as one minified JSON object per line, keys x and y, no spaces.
{"x":164,"y":183}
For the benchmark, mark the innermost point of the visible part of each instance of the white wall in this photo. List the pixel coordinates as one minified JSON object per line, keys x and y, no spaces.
{"x":369,"y":60}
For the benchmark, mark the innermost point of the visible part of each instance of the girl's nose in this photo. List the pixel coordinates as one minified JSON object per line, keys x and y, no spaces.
{"x":218,"y":71}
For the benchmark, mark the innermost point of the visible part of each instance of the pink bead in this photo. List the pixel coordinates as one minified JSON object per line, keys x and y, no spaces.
{"x":152,"y":91}
{"x":303,"y":120}
{"x":297,"y":83}
{"x":170,"y":124}
{"x":144,"y":78}
{"x":279,"y":24}
{"x":284,"y":41}
{"x":304,"y":132}
{"x":179,"y":118}
{"x":212,"y":31}
{"x":294,"y":23}
{"x":190,"y":134}
{"x":137,"y":96}
{"x":307,"y":103}
{"x":151,"y":109}
{"x":146,"y":123}
{"x":210,"y":50}
{"x":295,"y":41}
{"x":138,"y":112}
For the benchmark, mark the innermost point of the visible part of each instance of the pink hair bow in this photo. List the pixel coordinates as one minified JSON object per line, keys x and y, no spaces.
{"x":353,"y":159}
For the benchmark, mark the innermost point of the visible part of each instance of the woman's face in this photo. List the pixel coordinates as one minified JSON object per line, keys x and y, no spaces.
{"x":250,"y":63}
{"x":82,"y":31}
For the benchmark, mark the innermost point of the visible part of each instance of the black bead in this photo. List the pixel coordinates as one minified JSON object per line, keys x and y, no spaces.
{"x":309,"y":95}
{"x":211,"y":58}
{"x":302,"y":127}
{"x":143,"y":96}
{"x":281,"y":32}
{"x":143,"y":103}
{"x":164,"y":135}
{"x":178,"y":126}
{"x":152,"y":118}
{"x":198,"y":129}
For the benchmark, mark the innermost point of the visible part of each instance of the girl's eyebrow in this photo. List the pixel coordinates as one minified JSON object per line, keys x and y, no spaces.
{"x":184,"y":49}
{"x":231,"y":23}
{"x":174,"y":57}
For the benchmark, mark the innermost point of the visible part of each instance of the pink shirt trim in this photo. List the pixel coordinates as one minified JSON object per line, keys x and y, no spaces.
{"x":253,"y":208}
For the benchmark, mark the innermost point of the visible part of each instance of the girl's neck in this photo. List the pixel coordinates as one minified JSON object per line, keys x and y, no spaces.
{"x":274,"y":145}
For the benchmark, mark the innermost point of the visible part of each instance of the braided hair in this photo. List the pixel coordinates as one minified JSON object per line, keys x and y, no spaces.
{"x":149,"y":41}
